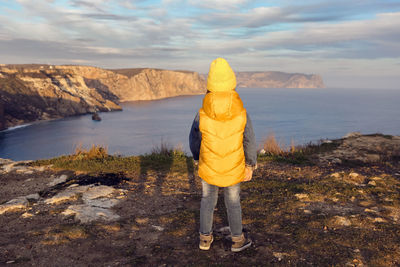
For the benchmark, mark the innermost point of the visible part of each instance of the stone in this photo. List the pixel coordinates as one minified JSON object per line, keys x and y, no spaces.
{"x":67,"y":195}
{"x":23,"y":170}
{"x":341,"y":221}
{"x":352,"y":134}
{"x":62,"y":197}
{"x":86,"y":213}
{"x":373,"y":183}
{"x":279,"y":255}
{"x":366,"y":203}
{"x":27,"y":215}
{"x":354,"y":178}
{"x":14,"y":205}
{"x":58,"y":180}
{"x":336,"y":175}
{"x":388,"y":199}
{"x":379,"y":220}
{"x":370,"y":210}
{"x":40,"y":168}
{"x":372,"y":157}
{"x":98,"y":191}
{"x":142,"y":220}
{"x":158,"y":228}
{"x":34,"y":196}
{"x":102,"y":202}
{"x":336,"y":161}
{"x":334,"y":199}
{"x":9,"y":167}
{"x":301,"y":196}
{"x":307,"y":211}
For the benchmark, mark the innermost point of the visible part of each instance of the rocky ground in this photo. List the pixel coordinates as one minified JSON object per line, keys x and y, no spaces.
{"x":326,"y":211}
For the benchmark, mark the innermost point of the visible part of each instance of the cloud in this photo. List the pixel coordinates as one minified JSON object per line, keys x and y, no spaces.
{"x":218,"y":4}
{"x":311,"y":36}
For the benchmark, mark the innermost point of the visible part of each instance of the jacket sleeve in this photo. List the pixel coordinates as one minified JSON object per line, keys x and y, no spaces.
{"x":249,"y":143}
{"x":195,"y":138}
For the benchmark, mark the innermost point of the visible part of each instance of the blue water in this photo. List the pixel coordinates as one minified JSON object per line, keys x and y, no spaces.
{"x":301,"y":115}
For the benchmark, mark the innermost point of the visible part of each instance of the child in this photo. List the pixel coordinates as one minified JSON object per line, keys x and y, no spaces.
{"x":222,"y":140}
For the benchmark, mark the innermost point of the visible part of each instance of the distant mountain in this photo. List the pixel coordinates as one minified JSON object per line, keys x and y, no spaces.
{"x":38,"y":92}
{"x":276,"y":79}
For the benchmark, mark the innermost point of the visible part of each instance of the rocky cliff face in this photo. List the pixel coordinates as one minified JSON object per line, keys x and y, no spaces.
{"x":274,"y":79}
{"x":144,"y":84}
{"x":38,"y":92}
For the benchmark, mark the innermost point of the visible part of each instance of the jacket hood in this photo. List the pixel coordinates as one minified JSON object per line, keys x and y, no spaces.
{"x":222,"y":106}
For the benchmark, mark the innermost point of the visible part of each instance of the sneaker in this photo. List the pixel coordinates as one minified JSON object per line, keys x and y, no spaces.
{"x":205,"y":241}
{"x":240,"y":243}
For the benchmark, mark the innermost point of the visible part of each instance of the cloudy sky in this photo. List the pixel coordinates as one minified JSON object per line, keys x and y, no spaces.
{"x":351,"y":43}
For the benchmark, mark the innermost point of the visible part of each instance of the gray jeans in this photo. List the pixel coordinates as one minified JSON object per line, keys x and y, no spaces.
{"x":232,"y":204}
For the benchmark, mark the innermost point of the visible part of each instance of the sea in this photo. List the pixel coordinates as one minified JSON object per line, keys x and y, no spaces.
{"x":298,"y":116}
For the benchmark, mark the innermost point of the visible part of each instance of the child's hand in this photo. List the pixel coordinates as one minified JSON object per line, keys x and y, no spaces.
{"x":248,"y":173}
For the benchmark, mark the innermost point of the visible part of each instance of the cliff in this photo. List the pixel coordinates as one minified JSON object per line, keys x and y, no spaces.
{"x":274,"y":79}
{"x":39,"y":92}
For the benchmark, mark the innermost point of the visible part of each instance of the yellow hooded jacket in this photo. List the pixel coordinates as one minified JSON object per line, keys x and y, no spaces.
{"x":222,"y":123}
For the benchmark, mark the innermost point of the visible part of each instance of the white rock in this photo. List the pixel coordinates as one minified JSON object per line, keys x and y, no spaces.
{"x":67,"y":195}
{"x":279,"y":255}
{"x":85,"y":213}
{"x":9,"y":167}
{"x":32,"y":196}
{"x":98,"y":191}
{"x":58,"y":180}
{"x":262,"y":152}
{"x":14,"y":205}
{"x":102,"y":202}
{"x":40,"y":168}
{"x":158,"y":228}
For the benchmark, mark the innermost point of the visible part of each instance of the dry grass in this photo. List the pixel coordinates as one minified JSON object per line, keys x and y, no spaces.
{"x":94,"y":152}
{"x":272,"y":146}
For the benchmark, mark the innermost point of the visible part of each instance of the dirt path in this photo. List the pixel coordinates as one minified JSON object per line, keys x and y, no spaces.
{"x":296,"y":215}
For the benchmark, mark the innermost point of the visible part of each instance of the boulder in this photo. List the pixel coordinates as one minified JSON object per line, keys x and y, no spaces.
{"x":14,"y":205}
{"x":87,"y":213}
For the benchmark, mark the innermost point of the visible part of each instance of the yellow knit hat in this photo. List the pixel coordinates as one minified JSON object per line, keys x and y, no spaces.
{"x":220,"y":76}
